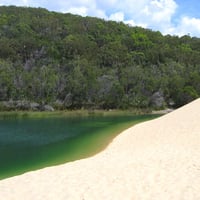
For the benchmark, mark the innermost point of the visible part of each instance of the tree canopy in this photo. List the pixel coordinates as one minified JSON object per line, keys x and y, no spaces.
{"x":74,"y":62}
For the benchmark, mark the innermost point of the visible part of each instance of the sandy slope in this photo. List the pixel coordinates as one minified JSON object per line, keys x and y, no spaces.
{"x":158,"y":160}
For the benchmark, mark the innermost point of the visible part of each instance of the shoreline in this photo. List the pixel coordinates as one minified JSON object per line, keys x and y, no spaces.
{"x":83,"y":112}
{"x":84,"y":145}
{"x":157,"y":159}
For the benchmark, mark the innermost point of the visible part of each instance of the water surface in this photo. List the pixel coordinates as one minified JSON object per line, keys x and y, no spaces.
{"x":28,"y":144}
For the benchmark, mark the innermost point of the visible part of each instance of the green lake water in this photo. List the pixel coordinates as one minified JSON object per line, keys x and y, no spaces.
{"x":28,"y":144}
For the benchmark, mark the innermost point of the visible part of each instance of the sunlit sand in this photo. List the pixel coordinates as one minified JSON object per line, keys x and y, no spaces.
{"x":158,"y":160}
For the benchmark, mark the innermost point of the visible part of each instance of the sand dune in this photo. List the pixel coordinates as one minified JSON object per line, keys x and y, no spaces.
{"x":158,"y":160}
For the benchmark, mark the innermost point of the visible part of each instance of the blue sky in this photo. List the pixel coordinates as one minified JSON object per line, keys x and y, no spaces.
{"x":189,"y":8}
{"x":175,"y":17}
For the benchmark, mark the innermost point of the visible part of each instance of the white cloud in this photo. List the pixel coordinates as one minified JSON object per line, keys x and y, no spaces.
{"x":78,"y":10}
{"x":160,"y":11}
{"x":118,"y":16}
{"x":82,"y":7}
{"x":10,"y":2}
{"x":189,"y":26}
{"x":23,"y":2}
{"x":158,"y":14}
{"x":105,"y":4}
{"x":153,"y":14}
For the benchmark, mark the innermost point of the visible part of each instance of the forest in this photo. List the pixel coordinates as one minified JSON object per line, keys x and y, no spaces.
{"x":73,"y":62}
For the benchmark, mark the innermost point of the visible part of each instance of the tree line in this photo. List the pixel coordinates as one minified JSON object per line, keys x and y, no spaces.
{"x":73,"y":62}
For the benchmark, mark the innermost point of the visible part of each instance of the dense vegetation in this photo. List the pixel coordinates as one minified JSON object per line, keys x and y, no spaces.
{"x":69,"y":61}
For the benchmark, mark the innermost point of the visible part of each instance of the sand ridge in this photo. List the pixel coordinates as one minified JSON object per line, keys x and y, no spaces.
{"x":158,"y":160}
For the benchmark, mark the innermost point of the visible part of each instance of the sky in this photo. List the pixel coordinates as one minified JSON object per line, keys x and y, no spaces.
{"x":174,"y":17}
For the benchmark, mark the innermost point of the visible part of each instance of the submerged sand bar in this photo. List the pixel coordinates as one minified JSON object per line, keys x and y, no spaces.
{"x":158,"y":160}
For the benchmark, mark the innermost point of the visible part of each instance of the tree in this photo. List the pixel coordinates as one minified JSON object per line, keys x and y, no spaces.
{"x":50,"y":57}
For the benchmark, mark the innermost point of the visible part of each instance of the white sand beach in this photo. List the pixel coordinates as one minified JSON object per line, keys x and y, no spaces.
{"x":158,"y":160}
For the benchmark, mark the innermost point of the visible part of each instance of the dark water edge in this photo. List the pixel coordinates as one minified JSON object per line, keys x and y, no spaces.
{"x":28,"y":144}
